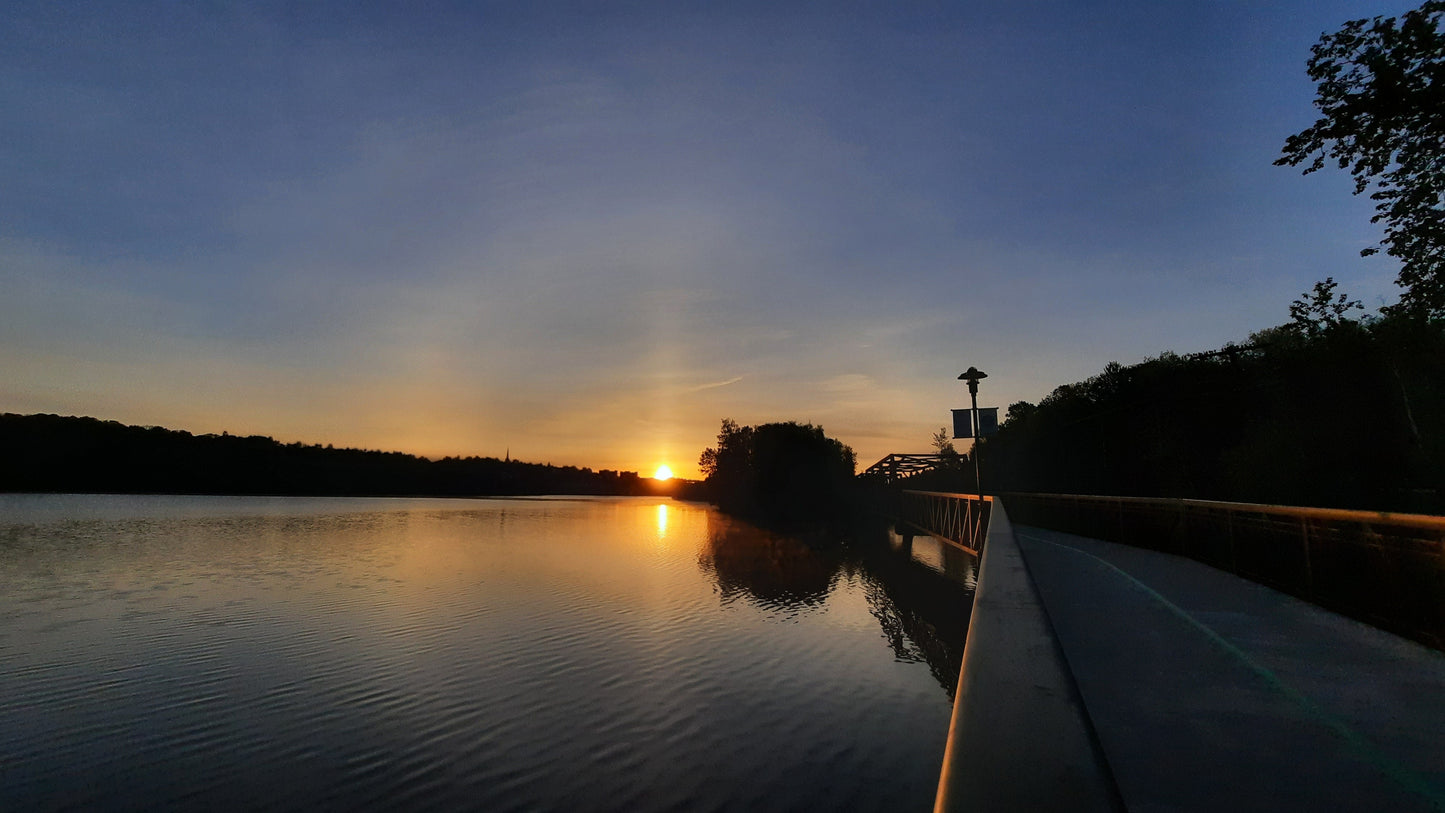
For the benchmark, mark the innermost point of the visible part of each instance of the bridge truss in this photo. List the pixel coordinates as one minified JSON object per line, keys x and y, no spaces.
{"x":896,"y":467}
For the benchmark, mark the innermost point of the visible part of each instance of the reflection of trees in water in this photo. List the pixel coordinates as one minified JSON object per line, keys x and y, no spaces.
{"x":924,"y":613}
{"x":769,"y":569}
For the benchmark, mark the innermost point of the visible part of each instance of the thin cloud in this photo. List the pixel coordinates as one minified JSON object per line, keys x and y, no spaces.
{"x":714,"y":385}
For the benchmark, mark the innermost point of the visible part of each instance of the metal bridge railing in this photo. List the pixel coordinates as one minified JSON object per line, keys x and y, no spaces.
{"x":897,"y":467}
{"x":958,"y":518}
{"x":1385,"y":569}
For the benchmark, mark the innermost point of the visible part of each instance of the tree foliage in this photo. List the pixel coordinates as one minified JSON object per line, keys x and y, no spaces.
{"x":783,"y":474}
{"x":942,"y":444}
{"x":1019,"y":411}
{"x":1348,"y":415}
{"x":1321,"y":309}
{"x":1380,"y":85}
{"x":41,"y":453}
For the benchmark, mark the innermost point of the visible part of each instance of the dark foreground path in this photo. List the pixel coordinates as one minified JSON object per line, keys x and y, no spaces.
{"x":1208,"y":692}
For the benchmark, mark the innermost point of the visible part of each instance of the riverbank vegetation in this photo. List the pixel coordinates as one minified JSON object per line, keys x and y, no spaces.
{"x":1325,"y":411}
{"x":51,"y":453}
{"x":782,"y":475}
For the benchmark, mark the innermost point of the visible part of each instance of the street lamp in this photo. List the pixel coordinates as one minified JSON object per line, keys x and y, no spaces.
{"x":973,"y":375}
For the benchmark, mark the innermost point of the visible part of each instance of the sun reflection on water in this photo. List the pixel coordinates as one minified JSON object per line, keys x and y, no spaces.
{"x":262,"y":628}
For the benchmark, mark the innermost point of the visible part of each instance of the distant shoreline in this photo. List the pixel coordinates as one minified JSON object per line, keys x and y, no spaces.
{"x":53,"y":454}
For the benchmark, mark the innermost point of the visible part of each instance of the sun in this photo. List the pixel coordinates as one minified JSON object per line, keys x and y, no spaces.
{"x":663,"y":473}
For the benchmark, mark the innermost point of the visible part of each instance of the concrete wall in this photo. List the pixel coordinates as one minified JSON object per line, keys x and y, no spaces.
{"x":1020,"y":739}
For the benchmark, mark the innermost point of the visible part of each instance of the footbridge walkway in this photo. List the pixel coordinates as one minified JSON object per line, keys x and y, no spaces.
{"x":1176,"y":655}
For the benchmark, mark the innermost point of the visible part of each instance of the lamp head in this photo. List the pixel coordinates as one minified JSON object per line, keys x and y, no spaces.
{"x":972,"y":375}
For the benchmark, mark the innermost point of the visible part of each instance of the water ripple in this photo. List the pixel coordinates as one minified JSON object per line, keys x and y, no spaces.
{"x":445,"y":655}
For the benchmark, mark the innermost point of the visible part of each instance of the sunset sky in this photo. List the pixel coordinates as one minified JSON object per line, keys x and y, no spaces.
{"x":586,"y":232}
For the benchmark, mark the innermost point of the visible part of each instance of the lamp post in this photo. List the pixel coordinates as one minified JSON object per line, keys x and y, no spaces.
{"x":973,"y":375}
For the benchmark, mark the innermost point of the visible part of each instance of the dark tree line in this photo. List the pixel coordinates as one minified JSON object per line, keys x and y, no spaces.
{"x":779,"y":474}
{"x":1325,"y":411}
{"x":50,"y":453}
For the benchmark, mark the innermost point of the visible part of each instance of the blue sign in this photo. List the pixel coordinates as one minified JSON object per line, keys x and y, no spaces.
{"x":987,"y":422}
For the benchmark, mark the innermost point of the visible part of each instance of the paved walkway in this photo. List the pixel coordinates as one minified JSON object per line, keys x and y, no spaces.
{"x":1208,"y":692}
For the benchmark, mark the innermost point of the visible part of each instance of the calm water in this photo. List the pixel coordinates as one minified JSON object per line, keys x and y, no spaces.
{"x":623,"y":654}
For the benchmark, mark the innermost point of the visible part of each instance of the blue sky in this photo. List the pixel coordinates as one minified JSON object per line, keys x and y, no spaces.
{"x":587,"y":232}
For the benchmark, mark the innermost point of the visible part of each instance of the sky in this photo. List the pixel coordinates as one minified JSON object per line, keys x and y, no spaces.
{"x":584,"y":233}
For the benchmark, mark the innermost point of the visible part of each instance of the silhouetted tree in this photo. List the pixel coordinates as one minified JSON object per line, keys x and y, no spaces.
{"x":1380,"y":84}
{"x":783,"y":474}
{"x":1019,"y":411}
{"x":1321,"y":310}
{"x":942,"y":444}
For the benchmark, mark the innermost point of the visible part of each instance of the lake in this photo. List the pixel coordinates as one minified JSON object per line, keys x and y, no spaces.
{"x":512,"y":654}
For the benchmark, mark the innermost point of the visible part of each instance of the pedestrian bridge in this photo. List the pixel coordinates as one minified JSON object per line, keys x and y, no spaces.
{"x":1131,"y":654}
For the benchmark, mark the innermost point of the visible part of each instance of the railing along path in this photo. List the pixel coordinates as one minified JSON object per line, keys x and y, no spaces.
{"x":1382,"y":568}
{"x":958,"y":518}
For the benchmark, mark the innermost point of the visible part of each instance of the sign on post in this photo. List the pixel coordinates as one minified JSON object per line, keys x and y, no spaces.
{"x":963,"y":422}
{"x":987,"y":421}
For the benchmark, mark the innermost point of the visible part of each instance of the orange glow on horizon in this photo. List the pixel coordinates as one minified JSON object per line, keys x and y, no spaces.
{"x":662,"y":473}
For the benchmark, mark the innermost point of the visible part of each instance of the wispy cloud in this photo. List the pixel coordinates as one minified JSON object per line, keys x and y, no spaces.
{"x":715,"y":384}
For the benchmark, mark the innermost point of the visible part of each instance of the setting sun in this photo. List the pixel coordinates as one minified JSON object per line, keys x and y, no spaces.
{"x":663,"y":473}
